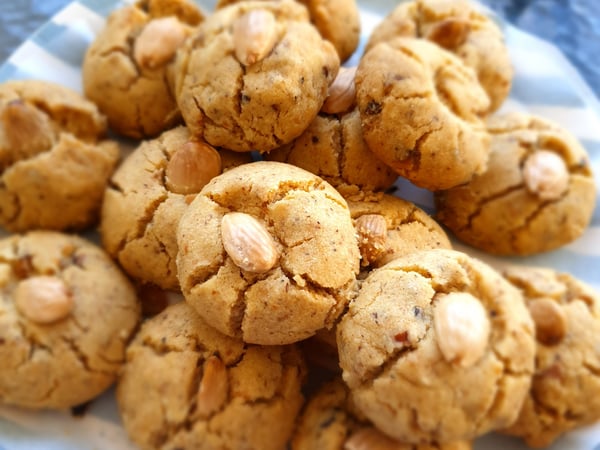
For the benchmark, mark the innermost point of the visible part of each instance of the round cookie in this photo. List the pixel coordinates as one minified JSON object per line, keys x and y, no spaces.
{"x":67,"y":313}
{"x":538,"y":193}
{"x":254,"y":76}
{"x":268,"y":253}
{"x":565,"y":392}
{"x":389,"y":227}
{"x":187,"y":386}
{"x":127,"y":70}
{"x":421,"y":111}
{"x":147,"y":196}
{"x":333,"y":148}
{"x":54,"y":162}
{"x":437,"y":347}
{"x":329,"y":421}
{"x":338,"y":21}
{"x":459,"y":27}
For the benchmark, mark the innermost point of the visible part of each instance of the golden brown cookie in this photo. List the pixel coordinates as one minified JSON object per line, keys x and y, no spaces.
{"x":333,"y":148}
{"x":329,"y":421}
{"x":460,"y":27}
{"x":565,"y":393}
{"x":67,"y":313}
{"x":268,"y":253}
{"x":437,"y":347}
{"x":54,"y":163}
{"x":421,"y":110}
{"x":127,"y":70}
{"x":187,"y":386}
{"x":538,"y":193}
{"x":254,"y":75}
{"x":147,"y":196}
{"x":338,"y":21}
{"x":389,"y":227}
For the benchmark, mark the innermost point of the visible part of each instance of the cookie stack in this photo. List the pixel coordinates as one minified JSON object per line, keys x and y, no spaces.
{"x":260,"y":200}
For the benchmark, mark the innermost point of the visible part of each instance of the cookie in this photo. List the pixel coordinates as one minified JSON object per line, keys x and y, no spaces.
{"x":437,"y":347}
{"x":389,"y":227}
{"x":333,"y":148}
{"x":329,"y":421}
{"x":565,"y":392}
{"x":67,"y":313}
{"x":127,"y":70}
{"x":537,"y":195}
{"x":267,"y":253}
{"x":147,"y":196}
{"x":421,"y":110}
{"x":461,"y":28}
{"x":338,"y":21}
{"x":254,"y":75}
{"x":185,"y":385}
{"x":54,"y":160}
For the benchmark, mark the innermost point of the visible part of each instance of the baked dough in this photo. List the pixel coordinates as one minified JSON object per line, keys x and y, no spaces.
{"x":437,"y":347}
{"x":458,"y":26}
{"x":140,"y":212}
{"x":565,"y":392}
{"x":256,"y":104}
{"x":537,"y":195}
{"x":67,"y":313}
{"x":54,"y":160}
{"x":185,"y":385}
{"x":292,"y":220}
{"x":421,"y":109}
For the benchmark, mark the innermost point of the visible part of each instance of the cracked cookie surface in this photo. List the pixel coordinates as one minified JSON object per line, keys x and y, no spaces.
{"x":423,"y":373}
{"x":565,"y":392}
{"x":140,"y":212}
{"x":333,"y":148}
{"x":329,"y":421}
{"x":127,"y":72}
{"x":67,"y":313}
{"x":407,"y":229}
{"x":460,"y":28}
{"x":295,"y":215}
{"x":54,"y":161}
{"x":516,"y":208}
{"x":187,"y":386}
{"x":261,"y":105}
{"x":421,"y":110}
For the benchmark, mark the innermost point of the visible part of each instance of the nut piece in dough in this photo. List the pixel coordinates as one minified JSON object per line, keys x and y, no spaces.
{"x":565,"y":391}
{"x":248,"y":243}
{"x":67,"y":313}
{"x":462,"y":327}
{"x":254,"y":36}
{"x":43,"y":299}
{"x":192,"y":165}
{"x":408,"y":228}
{"x":185,"y":385}
{"x":300,"y":236}
{"x":538,"y":193}
{"x":412,"y":385}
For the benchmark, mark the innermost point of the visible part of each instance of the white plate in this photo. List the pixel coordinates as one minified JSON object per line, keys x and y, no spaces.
{"x":545,"y":83}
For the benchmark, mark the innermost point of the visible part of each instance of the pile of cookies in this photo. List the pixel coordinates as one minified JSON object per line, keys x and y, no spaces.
{"x":256,"y":284}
